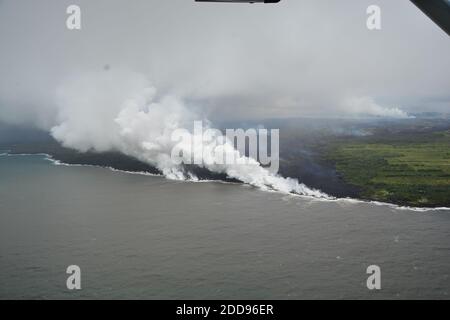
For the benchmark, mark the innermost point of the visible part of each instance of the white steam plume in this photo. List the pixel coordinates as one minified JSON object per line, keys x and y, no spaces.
{"x":366,"y":106}
{"x":120,"y":111}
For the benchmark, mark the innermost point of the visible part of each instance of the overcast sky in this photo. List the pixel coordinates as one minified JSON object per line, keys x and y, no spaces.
{"x":295,"y":58}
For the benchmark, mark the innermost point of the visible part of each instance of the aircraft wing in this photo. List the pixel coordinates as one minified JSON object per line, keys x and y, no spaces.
{"x":436,"y":10}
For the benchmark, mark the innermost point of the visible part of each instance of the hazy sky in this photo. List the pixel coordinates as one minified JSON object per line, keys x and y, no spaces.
{"x":295,"y":58}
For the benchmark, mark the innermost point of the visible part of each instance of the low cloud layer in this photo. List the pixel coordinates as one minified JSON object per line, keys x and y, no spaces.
{"x":229,"y":61}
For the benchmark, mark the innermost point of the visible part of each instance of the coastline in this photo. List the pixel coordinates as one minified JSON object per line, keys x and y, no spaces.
{"x":58,"y":162}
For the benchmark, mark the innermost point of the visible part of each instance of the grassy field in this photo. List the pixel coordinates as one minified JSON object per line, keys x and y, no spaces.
{"x":411,"y":169}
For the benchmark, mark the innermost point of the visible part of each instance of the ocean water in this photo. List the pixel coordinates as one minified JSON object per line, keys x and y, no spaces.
{"x":147,"y":237}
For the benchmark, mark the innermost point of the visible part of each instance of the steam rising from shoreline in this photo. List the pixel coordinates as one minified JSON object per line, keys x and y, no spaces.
{"x":121,"y":111}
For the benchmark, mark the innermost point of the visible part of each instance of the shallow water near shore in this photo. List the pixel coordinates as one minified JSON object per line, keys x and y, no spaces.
{"x":147,"y":237}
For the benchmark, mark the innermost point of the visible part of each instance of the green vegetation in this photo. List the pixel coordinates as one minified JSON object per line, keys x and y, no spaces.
{"x":410,"y":169}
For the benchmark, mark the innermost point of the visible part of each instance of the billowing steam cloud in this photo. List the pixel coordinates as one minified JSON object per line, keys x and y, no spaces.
{"x":121,"y":111}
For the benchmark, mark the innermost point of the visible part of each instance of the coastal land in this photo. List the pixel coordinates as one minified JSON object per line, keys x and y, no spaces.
{"x":404,"y":162}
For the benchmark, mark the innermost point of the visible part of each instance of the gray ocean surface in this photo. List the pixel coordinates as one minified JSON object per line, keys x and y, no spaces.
{"x":146,"y":237}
